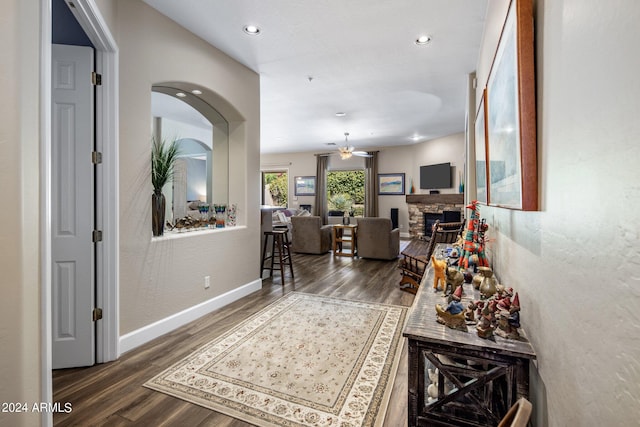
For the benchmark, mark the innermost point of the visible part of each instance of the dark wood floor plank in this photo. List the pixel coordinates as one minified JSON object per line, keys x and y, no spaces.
{"x":112,"y":394}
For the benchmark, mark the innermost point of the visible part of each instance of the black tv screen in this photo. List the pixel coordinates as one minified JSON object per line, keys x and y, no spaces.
{"x":435,"y":176}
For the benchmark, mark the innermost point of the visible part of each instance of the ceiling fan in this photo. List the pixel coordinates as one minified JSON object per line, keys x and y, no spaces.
{"x":348,"y":150}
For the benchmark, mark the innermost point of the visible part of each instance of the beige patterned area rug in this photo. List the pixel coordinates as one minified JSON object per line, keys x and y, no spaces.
{"x":304,"y":360}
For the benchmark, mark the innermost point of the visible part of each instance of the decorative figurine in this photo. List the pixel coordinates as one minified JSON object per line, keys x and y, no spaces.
{"x":486,"y":320}
{"x":470,"y":311}
{"x":454,"y":278}
{"x":439,"y":265}
{"x":473,"y":243}
{"x":508,"y":318}
{"x":453,"y":315}
{"x":488,"y":284}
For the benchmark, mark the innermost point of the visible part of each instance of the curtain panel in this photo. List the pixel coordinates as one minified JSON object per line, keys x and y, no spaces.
{"x":320,"y":210}
{"x":370,"y":185}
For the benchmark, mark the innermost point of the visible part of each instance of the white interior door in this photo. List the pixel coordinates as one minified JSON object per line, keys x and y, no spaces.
{"x":72,"y":204}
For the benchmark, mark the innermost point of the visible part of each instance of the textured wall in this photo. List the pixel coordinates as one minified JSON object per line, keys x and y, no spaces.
{"x":19,"y":235}
{"x":576,"y":261}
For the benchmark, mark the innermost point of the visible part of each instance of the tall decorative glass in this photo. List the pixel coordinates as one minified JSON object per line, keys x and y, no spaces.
{"x":220,"y":215}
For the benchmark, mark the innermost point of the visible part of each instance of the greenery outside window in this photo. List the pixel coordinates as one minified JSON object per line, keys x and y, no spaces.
{"x":275,"y":188}
{"x":345,"y":191}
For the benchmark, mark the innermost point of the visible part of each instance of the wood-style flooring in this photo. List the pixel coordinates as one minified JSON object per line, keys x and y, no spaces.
{"x":112,"y":394}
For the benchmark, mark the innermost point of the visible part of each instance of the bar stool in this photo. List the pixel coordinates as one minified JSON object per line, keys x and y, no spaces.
{"x":280,"y":253}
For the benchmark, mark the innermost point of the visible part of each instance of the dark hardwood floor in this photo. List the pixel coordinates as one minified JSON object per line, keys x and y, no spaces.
{"x":112,"y":394}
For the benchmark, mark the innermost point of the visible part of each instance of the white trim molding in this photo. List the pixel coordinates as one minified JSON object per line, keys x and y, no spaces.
{"x":147,"y":333}
{"x":90,"y":19}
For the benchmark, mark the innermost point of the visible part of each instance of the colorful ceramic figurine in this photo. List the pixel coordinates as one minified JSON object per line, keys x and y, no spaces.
{"x":453,"y":315}
{"x":473,"y":243}
{"x":486,"y":320}
{"x":508,"y":318}
{"x":439,"y":265}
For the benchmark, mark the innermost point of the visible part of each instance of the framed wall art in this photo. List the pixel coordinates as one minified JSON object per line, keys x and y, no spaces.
{"x":512,"y":179}
{"x":305,"y":185}
{"x":390,"y":184}
{"x":482,"y":195}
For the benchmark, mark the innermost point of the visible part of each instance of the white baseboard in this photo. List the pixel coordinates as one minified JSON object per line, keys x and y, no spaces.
{"x":143,"y":335}
{"x":405,"y":235}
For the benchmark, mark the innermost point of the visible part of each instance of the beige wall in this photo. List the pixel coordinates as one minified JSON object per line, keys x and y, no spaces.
{"x":575,"y":262}
{"x":157,"y":278}
{"x":19,"y":235}
{"x":405,"y":159}
{"x":160,"y":277}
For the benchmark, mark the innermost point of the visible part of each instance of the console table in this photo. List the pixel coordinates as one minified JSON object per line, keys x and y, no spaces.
{"x":477,"y":380}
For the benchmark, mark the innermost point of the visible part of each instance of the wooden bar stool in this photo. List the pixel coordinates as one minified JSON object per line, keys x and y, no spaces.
{"x":280,"y":253}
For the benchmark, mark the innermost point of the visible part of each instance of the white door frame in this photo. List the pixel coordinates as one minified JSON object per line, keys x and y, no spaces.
{"x":107,"y":196}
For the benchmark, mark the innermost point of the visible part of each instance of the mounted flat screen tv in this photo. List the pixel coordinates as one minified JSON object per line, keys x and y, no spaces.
{"x":435,"y":176}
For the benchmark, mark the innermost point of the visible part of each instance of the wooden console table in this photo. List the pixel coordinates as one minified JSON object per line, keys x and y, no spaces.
{"x":478,"y":379}
{"x":339,"y":237}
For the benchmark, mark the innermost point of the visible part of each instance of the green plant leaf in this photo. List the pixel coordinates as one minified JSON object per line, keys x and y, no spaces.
{"x":163,"y":160}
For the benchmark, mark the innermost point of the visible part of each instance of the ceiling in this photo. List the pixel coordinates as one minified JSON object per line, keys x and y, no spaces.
{"x":317,"y":58}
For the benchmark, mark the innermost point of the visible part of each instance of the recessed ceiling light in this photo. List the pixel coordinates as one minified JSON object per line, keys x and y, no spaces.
{"x":196,"y":92}
{"x":181,"y":94}
{"x":422,"y":40}
{"x":341,"y":114}
{"x":252,"y":30}
{"x":416,"y":137}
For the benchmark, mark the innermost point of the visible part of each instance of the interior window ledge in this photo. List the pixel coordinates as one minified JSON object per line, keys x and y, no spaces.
{"x":170,"y":235}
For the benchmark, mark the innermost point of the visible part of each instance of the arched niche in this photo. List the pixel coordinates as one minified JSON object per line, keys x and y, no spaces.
{"x":181,"y":112}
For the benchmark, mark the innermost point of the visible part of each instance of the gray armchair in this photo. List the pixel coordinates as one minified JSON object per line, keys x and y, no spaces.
{"x":309,"y":236}
{"x":376,"y":239}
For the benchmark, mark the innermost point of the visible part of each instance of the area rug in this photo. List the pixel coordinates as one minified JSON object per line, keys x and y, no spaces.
{"x":303,"y":360}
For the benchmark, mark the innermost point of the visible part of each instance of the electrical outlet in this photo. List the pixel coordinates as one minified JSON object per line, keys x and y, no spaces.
{"x":207,"y":282}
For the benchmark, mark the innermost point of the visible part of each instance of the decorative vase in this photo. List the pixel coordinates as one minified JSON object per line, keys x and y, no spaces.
{"x":158,"y":204}
{"x":231,"y":214}
{"x":345,"y":220}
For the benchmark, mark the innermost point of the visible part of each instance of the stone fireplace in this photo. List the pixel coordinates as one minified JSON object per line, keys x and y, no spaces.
{"x":429,"y":207}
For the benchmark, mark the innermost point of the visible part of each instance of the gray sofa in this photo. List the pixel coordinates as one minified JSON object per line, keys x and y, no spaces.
{"x":309,"y":236}
{"x":376,"y":239}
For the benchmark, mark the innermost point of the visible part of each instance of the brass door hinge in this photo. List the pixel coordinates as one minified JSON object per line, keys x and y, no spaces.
{"x":96,"y":157}
{"x":96,"y":79}
{"x":97,"y":314}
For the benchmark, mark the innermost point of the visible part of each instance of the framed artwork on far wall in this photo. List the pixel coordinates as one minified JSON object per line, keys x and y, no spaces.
{"x":390,"y":184}
{"x":512,"y":180}
{"x":305,"y":185}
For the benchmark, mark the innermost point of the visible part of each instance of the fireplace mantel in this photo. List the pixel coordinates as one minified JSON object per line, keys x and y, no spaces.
{"x":432,"y":199}
{"x":419,"y":204}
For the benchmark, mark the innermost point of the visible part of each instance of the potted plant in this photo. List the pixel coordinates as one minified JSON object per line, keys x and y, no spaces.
{"x":339,"y":204}
{"x":163,"y":160}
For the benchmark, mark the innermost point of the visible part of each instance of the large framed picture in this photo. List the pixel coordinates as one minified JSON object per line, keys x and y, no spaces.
{"x":305,"y":185}
{"x":512,"y":179}
{"x":482,"y":195}
{"x":390,"y":184}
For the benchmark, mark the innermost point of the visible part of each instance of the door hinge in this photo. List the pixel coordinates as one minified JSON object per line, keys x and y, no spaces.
{"x":96,"y":157}
{"x":96,"y":79}
{"x":97,"y":236}
{"x":97,"y":314}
